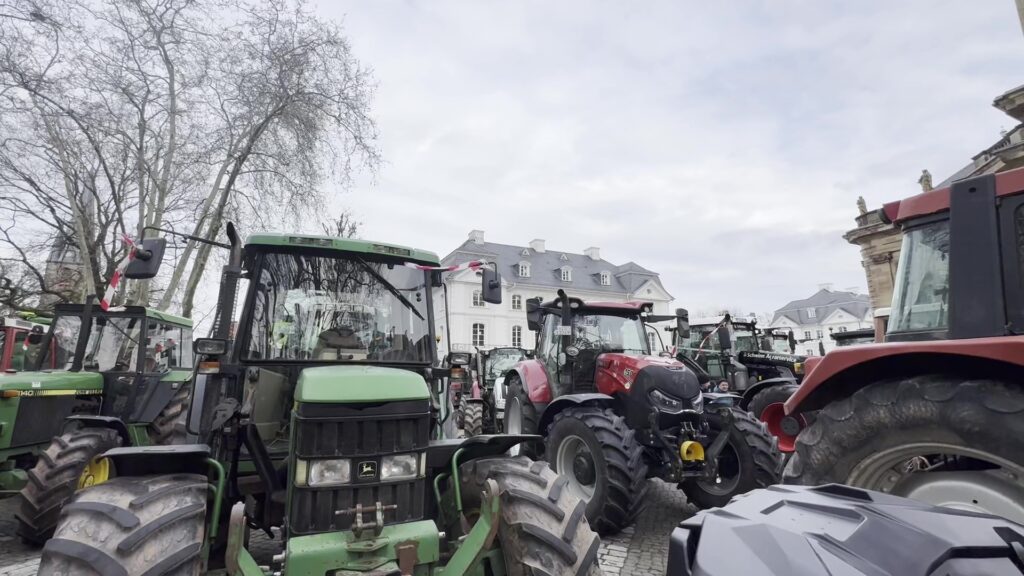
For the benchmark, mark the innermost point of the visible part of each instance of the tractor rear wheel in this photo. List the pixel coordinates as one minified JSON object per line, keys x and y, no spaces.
{"x":749,"y":460}
{"x":151,"y":525}
{"x":542,"y":528}
{"x":945,"y":440}
{"x":598,"y":454}
{"x":520,"y":416}
{"x":169,"y":425}
{"x":472,"y":418}
{"x":70,"y":462}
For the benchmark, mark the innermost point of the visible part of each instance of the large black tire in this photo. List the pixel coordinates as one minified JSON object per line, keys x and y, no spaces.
{"x":750,"y":459}
{"x":981,"y":415}
{"x":528,"y":421}
{"x":768,"y":396}
{"x":54,"y":479}
{"x":169,"y":425}
{"x":472,"y":418}
{"x":543,"y":530}
{"x":152,"y":525}
{"x":618,"y":467}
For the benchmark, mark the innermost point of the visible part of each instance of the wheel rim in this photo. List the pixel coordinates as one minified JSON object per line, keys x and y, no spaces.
{"x":96,"y":472}
{"x":727,"y":473}
{"x":514,"y":422}
{"x":914,"y":471}
{"x":575,"y":462}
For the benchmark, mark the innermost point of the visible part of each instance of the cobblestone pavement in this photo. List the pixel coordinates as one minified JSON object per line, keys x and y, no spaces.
{"x":640,"y":550}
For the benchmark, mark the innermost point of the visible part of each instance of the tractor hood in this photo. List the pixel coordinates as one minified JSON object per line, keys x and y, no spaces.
{"x":47,"y":383}
{"x":331,"y":384}
{"x":626,"y":372}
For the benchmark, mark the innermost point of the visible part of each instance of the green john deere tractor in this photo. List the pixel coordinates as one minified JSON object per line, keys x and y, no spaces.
{"x":319,"y":414}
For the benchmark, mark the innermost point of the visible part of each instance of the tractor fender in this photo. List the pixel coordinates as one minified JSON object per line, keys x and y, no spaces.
{"x":535,"y":379}
{"x":749,"y":393}
{"x":110,"y":422}
{"x":172,"y":459}
{"x":568,"y":401}
{"x":843,"y":371}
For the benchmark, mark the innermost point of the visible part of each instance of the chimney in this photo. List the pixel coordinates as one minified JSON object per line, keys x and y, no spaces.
{"x":824,"y":286}
{"x":477,"y":236}
{"x":537,"y":244}
{"x":594,"y":253}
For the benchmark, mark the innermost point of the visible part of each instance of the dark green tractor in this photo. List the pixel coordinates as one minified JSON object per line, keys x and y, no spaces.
{"x":122,"y":378}
{"x":319,"y":414}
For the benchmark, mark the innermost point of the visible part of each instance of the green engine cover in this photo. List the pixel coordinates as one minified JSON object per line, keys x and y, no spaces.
{"x":353,"y":384}
{"x":57,"y":390}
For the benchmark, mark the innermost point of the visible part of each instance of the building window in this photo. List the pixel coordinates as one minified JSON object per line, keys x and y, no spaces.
{"x":652,"y":341}
{"x":478,"y":299}
{"x":842,"y":328}
{"x":478,"y":334}
{"x":807,"y":335}
{"x":811,"y":313}
{"x":810,"y":352}
{"x":566,"y":274}
{"x":819,"y":334}
{"x":606,"y":279}
{"x":517,"y":336}
{"x":524,"y":269}
{"x":517,"y":302}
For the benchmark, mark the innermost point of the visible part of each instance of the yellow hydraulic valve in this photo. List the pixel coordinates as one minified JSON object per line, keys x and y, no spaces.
{"x":691,"y":451}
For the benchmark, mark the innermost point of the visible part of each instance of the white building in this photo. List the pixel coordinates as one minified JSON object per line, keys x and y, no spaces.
{"x":813,"y":319}
{"x":527,"y":272}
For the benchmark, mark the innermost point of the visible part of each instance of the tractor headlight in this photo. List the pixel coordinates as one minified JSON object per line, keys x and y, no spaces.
{"x":798,"y":367}
{"x":399,"y":467}
{"x":329,"y":472}
{"x":665,"y":403}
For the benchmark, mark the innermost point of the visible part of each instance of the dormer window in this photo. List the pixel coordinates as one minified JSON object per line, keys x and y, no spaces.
{"x":524,"y":269}
{"x":811,"y":313}
{"x":566,"y":274}
{"x":606,"y":279}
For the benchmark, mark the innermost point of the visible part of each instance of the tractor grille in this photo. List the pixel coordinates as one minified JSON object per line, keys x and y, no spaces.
{"x":362,"y":433}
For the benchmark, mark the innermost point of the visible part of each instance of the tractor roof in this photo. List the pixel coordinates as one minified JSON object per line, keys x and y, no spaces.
{"x":343,"y":245}
{"x":934,"y":201}
{"x":70,"y":309}
{"x":618,"y":308}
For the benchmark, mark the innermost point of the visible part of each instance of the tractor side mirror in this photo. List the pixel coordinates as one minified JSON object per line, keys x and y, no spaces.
{"x":147,"y":259}
{"x":490,"y":288}
{"x":533,"y":314}
{"x":682,"y":323}
{"x":724,"y":338}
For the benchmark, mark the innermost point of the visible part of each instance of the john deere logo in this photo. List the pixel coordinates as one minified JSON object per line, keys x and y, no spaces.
{"x":367,"y":470}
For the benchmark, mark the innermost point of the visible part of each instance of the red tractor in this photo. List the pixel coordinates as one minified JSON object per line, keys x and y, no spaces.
{"x":935,"y":413}
{"x":614,"y":415}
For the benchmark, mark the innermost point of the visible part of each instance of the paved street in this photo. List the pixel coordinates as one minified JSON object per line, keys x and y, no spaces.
{"x":638,"y":551}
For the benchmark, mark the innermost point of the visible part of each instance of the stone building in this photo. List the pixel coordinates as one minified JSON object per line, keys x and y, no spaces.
{"x":530,"y":271}
{"x":62,"y":272}
{"x":880,"y":242}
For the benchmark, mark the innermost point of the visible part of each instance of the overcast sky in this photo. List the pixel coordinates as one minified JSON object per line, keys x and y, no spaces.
{"x":721,"y":144}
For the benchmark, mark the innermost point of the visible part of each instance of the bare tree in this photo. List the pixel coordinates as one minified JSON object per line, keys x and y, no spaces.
{"x":116,"y":115}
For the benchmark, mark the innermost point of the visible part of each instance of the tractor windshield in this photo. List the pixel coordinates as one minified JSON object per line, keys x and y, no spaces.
{"x":501,"y":361}
{"x":610,"y":333}
{"x":920,"y":299}
{"x":744,"y":339}
{"x":338,"y":308}
{"x":112,"y":346}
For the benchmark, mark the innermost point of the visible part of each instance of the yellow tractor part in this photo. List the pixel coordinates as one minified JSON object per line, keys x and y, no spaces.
{"x":691,"y":451}
{"x":96,"y":472}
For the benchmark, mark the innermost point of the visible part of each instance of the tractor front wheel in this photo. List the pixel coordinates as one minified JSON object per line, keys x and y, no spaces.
{"x":598,"y":454}
{"x":149,"y":525}
{"x":520,"y":415}
{"x":70,"y":462}
{"x":542,"y":527}
{"x":771,"y":396}
{"x":942,"y":439}
{"x":750,"y":459}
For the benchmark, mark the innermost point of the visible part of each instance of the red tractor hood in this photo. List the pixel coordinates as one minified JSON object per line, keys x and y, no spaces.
{"x":617,"y":371}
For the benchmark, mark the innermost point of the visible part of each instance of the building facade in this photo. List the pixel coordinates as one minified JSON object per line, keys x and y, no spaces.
{"x":527,"y":272}
{"x":813,"y":320}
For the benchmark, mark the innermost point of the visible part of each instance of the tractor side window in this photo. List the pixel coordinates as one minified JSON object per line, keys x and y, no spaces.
{"x":547,"y":347}
{"x":920,"y":299}
{"x":169,"y":347}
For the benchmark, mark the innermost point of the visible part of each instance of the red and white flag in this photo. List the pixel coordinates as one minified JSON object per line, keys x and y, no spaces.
{"x":115,"y":280}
